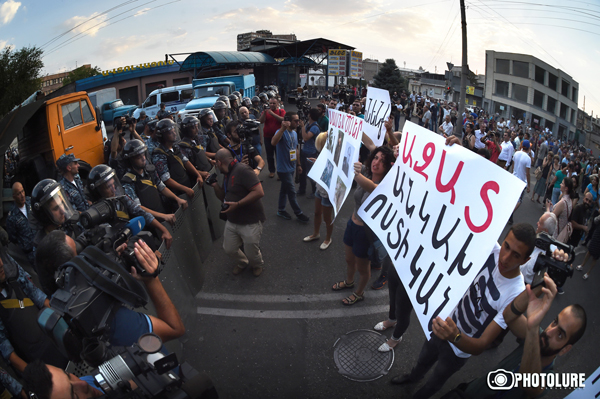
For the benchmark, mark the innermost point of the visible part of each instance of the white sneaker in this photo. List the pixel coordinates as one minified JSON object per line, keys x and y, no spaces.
{"x":579,"y":268}
{"x":386,"y":348}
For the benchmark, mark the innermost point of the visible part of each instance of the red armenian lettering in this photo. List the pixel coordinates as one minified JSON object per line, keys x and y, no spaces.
{"x":490,"y":185}
{"x":442,"y":188}
{"x":428,"y":153}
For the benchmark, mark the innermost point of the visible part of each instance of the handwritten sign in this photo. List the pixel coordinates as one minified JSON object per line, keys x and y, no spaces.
{"x":334,"y":168}
{"x":377,"y":110}
{"x":438,"y":212}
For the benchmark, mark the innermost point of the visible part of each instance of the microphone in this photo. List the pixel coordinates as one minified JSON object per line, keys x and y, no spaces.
{"x":131,"y":229}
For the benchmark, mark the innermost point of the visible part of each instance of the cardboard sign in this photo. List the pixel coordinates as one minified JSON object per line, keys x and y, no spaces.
{"x":377,"y":110}
{"x":334,"y":168}
{"x":438,"y":212}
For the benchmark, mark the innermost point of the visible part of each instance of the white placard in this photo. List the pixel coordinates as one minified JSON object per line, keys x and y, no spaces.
{"x":438,"y":212}
{"x":377,"y":110}
{"x":334,"y":168}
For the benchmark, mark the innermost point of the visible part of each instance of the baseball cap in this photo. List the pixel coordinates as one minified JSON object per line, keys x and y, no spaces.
{"x":65,"y":160}
{"x":525,"y":143}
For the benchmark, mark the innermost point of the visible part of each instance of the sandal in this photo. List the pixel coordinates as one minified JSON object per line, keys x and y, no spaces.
{"x":349,"y":301}
{"x":385,"y":347}
{"x":341,"y":285}
{"x":381,"y":326}
{"x":579,"y":268}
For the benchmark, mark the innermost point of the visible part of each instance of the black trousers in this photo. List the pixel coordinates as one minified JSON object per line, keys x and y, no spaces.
{"x":270,"y":154}
{"x":400,"y":306}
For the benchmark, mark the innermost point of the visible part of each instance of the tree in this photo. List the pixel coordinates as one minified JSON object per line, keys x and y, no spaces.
{"x":20,"y":72}
{"x":81,"y":73}
{"x":389,"y":77}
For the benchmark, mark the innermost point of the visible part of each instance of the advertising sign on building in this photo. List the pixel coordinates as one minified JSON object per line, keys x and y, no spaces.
{"x":471,"y":90}
{"x":356,"y":65}
{"x":336,"y":62}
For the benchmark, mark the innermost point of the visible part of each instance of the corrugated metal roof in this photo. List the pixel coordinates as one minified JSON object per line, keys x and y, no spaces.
{"x":204,"y":59}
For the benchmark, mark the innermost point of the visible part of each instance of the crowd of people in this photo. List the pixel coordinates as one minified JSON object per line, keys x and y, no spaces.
{"x":150,"y":164}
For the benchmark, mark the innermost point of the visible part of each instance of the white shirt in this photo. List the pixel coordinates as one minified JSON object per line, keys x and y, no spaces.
{"x":507,"y":152}
{"x":447,"y":128}
{"x":473,"y":318}
{"x":527,"y":268}
{"x":522,"y":162}
{"x":24,"y":210}
{"x":478,"y":135}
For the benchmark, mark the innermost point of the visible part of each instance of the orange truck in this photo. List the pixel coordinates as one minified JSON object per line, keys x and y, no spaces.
{"x":47,"y":127}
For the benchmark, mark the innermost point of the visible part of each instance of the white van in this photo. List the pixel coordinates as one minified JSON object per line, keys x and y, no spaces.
{"x":175,"y":98}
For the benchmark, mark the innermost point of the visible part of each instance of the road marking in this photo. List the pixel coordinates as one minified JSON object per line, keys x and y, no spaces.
{"x":580,"y":251}
{"x":294,"y":314}
{"x":284,"y":298}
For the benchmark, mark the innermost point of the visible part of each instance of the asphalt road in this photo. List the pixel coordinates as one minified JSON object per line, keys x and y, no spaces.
{"x":273,"y":336}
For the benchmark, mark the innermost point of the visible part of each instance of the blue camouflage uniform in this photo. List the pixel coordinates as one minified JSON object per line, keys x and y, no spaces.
{"x":151,"y":144}
{"x":19,"y":230}
{"x":75,"y":193}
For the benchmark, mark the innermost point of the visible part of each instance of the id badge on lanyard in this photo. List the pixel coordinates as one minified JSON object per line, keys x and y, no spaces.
{"x":293,"y":155}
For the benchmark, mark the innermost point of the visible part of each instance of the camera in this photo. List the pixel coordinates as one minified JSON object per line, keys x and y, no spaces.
{"x":500,"y":380}
{"x":211,"y":179}
{"x":246,"y":131}
{"x":303,"y":106}
{"x":104,"y":211}
{"x":557,"y":270}
{"x":223,"y":216}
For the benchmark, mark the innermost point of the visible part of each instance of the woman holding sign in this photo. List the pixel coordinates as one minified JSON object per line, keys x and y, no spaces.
{"x":355,"y":237}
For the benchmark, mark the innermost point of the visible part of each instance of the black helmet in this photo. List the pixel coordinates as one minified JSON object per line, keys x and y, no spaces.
{"x":255,"y":98}
{"x":134,"y":148}
{"x":204,"y":112}
{"x":270,"y":94}
{"x":104,"y":183}
{"x":219,"y":105}
{"x":163,"y":127}
{"x":50,"y":204}
{"x":152,"y":125}
{"x":225,"y":99}
{"x":233,"y":97}
{"x":189,"y":121}
{"x":238,"y":95}
{"x":246,"y":102}
{"x":263,"y":96}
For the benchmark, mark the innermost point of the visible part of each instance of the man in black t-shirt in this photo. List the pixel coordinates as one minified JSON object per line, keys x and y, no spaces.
{"x":578,"y":219}
{"x":241,"y":195}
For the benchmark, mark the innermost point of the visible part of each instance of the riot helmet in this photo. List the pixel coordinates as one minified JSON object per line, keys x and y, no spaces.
{"x":104,"y":183}
{"x":152,"y":126}
{"x":50,"y":204}
{"x":134,"y":148}
{"x":232,"y":98}
{"x":219,"y":105}
{"x":263,"y":97}
{"x":255,"y":99}
{"x":188,"y":124}
{"x":225,"y":99}
{"x":246,"y":102}
{"x":164,"y":127}
{"x":270,"y":94}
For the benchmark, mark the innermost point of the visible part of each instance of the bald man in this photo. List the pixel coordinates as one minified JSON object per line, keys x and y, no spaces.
{"x":19,"y":230}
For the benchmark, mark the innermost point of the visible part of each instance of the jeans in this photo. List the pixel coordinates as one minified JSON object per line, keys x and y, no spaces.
{"x":555,"y":195}
{"x":447,"y":364}
{"x":400,"y":305}
{"x":270,"y":154}
{"x":248,"y":235}
{"x":288,"y":190}
{"x":306,"y":167}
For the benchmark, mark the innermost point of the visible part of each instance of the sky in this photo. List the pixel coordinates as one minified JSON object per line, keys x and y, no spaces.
{"x":416,"y":34}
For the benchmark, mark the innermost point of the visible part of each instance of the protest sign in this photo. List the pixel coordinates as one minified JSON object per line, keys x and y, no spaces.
{"x":377,"y":110}
{"x":438,"y":212}
{"x":334,"y":168}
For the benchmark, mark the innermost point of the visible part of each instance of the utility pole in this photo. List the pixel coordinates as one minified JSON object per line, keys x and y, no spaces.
{"x":463,"y":75}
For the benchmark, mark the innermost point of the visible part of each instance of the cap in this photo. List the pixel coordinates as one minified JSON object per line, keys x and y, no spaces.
{"x":525,"y":143}
{"x":143,"y":113}
{"x":65,"y":160}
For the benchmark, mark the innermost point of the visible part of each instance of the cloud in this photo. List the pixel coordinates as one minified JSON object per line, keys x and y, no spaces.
{"x":89,"y":25}
{"x":8,"y":10}
{"x":141,"y":12}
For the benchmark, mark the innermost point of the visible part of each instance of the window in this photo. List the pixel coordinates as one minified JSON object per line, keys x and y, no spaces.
{"x":573,"y":116}
{"x":574,"y":95}
{"x":150,"y":101}
{"x":87,"y":113}
{"x":519,"y":92}
{"x":150,"y":87}
{"x":552,"y":81}
{"x":502,"y":66}
{"x":186,"y":95}
{"x":116,"y":104}
{"x":563,"y":111}
{"x":212,"y":91}
{"x":549,"y":125}
{"x":181,"y":81}
{"x":538,"y":98}
{"x":551,"y":105}
{"x":540,"y":74}
{"x":564,"y":88}
{"x":169,"y":97}
{"x":521,"y":69}
{"x":71,"y":115}
{"x":501,"y":88}
{"x":438,"y":91}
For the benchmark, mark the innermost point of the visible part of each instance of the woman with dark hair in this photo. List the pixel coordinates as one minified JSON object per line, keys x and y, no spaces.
{"x":356,"y":239}
{"x":564,"y":207}
{"x":540,"y":185}
{"x":469,"y":139}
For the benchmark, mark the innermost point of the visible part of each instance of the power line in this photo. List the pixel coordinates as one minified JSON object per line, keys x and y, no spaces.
{"x":445,"y":37}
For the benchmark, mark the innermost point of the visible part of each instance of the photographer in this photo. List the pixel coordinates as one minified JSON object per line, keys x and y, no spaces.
{"x":241,"y":195}
{"x":104,"y":184}
{"x":241,"y":148}
{"x":191,"y":148}
{"x":173,"y":168}
{"x":547,"y":223}
{"x":142,"y":184}
{"x":309,"y":150}
{"x":271,"y":118}
{"x":254,"y":135}
{"x":115,"y":160}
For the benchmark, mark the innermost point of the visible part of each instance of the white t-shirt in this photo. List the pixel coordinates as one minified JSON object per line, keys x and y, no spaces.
{"x":24,"y":210}
{"x":485,"y":300}
{"x":527,"y":268}
{"x":478,"y":143}
{"x":447,"y":128}
{"x":522,"y":162}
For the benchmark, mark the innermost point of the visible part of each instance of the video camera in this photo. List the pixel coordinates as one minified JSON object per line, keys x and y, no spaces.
{"x":303,"y":106}
{"x":557,"y":270}
{"x":246,"y":131}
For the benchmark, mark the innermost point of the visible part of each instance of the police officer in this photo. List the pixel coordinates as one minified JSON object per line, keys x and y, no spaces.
{"x":103,"y":183}
{"x":142,"y":184}
{"x":173,"y":168}
{"x":190,"y":147}
{"x":162,"y":113}
{"x":149,"y":137}
{"x":233,"y":111}
{"x":264,"y":101}
{"x":141,"y":123}
{"x":19,"y":230}
{"x":211,"y":135}
{"x":242,"y":152}
{"x":255,"y":108}
{"x":70,"y":181}
{"x":52,"y":210}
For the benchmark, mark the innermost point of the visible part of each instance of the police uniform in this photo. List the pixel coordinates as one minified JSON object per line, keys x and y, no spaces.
{"x":145,"y":189}
{"x":75,"y":194}
{"x":255,"y":110}
{"x":232,"y":114}
{"x":220,"y":126}
{"x":20,"y":231}
{"x":209,"y":139}
{"x":195,"y":153}
{"x":170,"y":164}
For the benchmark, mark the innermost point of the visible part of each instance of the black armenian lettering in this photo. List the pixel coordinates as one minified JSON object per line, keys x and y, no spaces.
{"x":444,"y":241}
{"x":460,"y":259}
{"x":424,"y":218}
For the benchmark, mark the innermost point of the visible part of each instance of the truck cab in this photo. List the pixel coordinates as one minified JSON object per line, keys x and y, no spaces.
{"x":115,"y":109}
{"x":175,"y":99}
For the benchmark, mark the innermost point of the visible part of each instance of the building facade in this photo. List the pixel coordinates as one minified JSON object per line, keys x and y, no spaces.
{"x":525,"y":87}
{"x":244,"y":40}
{"x":55,"y":81}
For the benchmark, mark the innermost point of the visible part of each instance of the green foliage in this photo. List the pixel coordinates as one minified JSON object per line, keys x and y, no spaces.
{"x":389,"y":77}
{"x":20,"y":72}
{"x":81,"y":73}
